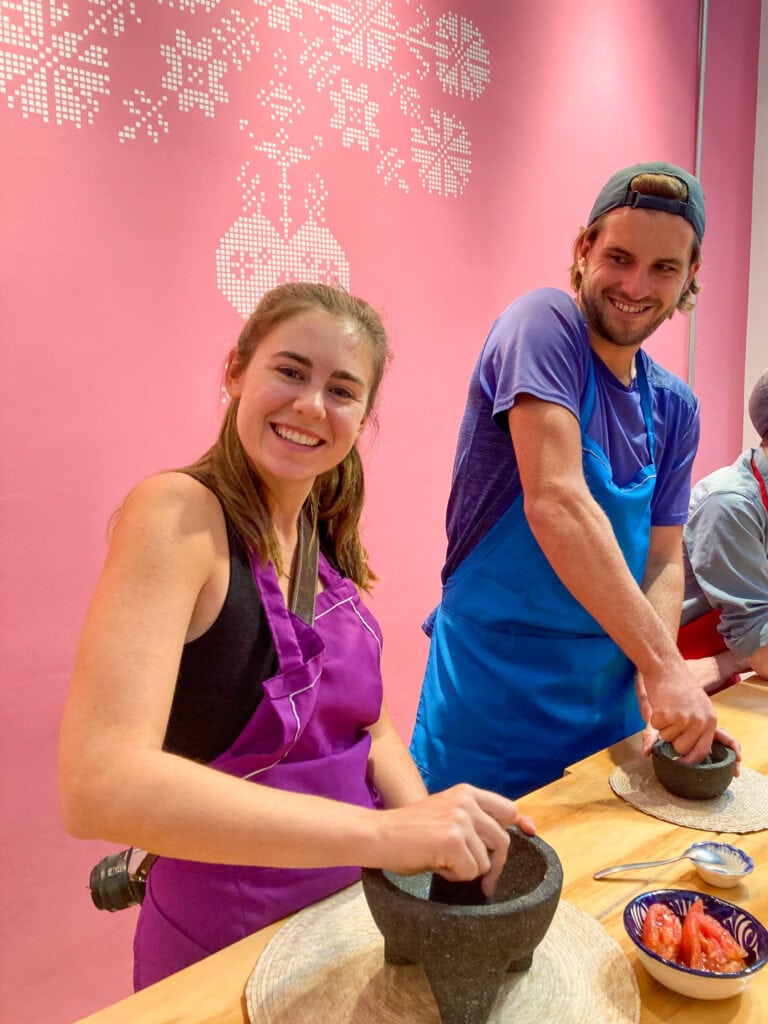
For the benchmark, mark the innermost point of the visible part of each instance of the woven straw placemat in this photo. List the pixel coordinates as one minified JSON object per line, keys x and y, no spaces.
{"x":326,"y":966}
{"x":743,"y":807}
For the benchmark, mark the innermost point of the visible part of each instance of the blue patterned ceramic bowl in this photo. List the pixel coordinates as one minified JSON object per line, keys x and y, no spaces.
{"x":745,"y":928}
{"x":738,"y":865}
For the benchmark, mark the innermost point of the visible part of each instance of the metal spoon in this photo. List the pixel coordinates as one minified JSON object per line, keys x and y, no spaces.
{"x":695,"y":853}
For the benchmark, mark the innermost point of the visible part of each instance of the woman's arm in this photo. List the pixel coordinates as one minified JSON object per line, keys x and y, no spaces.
{"x":392,"y":770}
{"x":160,"y":580}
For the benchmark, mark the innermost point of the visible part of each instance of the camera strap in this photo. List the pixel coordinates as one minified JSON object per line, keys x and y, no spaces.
{"x":304,"y":583}
{"x":143,"y":869}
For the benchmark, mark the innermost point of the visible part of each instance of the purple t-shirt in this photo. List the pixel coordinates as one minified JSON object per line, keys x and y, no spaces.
{"x":539,"y":346}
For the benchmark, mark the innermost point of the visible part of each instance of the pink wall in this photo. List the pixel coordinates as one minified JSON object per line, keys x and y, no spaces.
{"x":155,"y":186}
{"x":727,"y":168}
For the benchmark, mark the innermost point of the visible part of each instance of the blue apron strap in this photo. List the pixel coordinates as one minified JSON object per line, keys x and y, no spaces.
{"x":588,"y":404}
{"x":645,"y":403}
{"x":647,"y":407}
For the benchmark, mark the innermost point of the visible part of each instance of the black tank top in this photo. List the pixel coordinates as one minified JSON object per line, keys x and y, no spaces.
{"x":219,"y":685}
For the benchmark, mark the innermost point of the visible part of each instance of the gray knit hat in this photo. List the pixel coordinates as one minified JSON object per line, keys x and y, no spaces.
{"x":758,"y":405}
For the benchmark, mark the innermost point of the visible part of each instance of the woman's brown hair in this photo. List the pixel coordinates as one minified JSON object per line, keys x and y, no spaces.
{"x":336,"y":500}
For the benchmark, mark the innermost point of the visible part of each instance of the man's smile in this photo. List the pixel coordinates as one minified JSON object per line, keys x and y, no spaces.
{"x":626,"y":307}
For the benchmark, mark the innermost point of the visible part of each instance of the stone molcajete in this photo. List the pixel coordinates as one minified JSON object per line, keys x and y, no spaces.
{"x":704,"y":781}
{"x":466,"y":942}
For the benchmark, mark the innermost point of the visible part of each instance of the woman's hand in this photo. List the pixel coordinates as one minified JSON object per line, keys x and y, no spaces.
{"x":460,"y":833}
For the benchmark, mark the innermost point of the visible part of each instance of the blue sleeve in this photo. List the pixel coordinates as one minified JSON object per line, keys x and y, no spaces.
{"x":538,"y":346}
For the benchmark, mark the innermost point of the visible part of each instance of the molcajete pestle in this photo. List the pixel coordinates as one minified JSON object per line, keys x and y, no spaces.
{"x":465,"y":942}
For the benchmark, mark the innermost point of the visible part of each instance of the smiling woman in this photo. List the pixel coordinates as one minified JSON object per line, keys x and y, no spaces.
{"x":303,"y":400}
{"x":245,"y":743}
{"x":276,"y":387}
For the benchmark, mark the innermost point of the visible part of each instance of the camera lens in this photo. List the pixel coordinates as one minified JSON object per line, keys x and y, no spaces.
{"x":112,"y":887}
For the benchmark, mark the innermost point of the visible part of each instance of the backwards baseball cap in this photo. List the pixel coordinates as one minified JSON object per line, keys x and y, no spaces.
{"x":758,"y":405}
{"x":618,"y":191}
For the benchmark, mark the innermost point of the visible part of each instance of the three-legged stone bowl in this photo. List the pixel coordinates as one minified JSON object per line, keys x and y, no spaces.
{"x":465,"y":942}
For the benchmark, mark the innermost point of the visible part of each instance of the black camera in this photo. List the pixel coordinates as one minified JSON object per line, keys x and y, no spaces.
{"x":120,"y":880}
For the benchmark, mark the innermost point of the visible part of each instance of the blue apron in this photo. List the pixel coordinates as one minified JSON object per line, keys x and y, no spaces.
{"x":521,"y":680}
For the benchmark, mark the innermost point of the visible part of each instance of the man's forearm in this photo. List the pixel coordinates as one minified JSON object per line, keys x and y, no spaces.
{"x":663,"y":585}
{"x":579,"y":542}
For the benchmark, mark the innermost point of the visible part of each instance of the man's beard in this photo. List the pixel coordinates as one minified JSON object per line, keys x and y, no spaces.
{"x":624,"y":334}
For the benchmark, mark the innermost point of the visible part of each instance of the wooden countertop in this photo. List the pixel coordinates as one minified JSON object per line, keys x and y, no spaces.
{"x":589,"y":827}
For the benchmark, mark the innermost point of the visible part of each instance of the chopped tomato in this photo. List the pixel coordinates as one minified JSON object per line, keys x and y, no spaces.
{"x":707,"y":946}
{"x":662,"y":931}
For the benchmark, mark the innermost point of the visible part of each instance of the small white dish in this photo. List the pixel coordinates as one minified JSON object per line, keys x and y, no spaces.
{"x":738,"y":865}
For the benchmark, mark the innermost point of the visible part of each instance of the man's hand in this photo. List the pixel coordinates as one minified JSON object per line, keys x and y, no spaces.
{"x":675,"y":712}
{"x":680,"y":712}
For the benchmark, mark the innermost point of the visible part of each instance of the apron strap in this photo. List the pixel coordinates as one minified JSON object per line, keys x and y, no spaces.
{"x":760,"y":483}
{"x":647,"y":406}
{"x":304,"y":584}
{"x":646,"y":403}
{"x":588,"y":402}
{"x":285,"y":636}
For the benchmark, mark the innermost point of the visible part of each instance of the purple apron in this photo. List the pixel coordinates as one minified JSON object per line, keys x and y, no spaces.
{"x":308,"y":736}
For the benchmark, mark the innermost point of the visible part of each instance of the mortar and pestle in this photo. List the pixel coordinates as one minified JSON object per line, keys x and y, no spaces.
{"x":704,"y":781}
{"x":468,"y":943}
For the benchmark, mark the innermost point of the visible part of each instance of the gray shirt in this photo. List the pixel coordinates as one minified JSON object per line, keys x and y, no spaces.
{"x":725,"y":552}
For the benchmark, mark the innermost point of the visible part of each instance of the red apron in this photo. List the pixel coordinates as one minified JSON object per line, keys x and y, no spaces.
{"x":700,"y":638}
{"x":308,"y":736}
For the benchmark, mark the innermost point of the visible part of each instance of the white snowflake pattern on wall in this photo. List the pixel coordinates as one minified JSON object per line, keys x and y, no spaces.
{"x":54,"y":67}
{"x":371,"y":62}
{"x":369,"y":34}
{"x":442,"y":151}
{"x":194,"y":73}
{"x":461,"y":57}
{"x":254,"y":255}
{"x":355,"y":114}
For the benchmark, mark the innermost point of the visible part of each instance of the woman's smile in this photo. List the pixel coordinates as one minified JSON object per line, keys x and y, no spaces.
{"x":296,"y":436}
{"x":303,"y":397}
